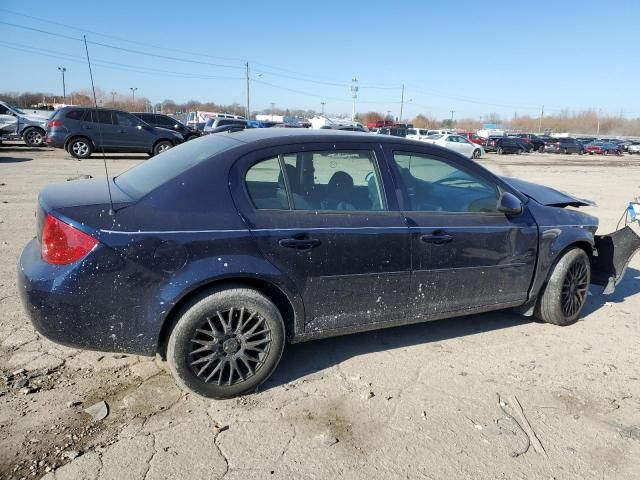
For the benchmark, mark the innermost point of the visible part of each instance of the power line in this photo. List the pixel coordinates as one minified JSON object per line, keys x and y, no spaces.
{"x":106,"y":64}
{"x":167,"y":57}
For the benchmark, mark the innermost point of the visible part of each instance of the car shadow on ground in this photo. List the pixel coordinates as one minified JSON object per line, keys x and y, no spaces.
{"x":15,"y":148}
{"x":98,"y":156}
{"x":628,"y":287}
{"x":13,"y":159}
{"x":302,"y":359}
{"x":305,"y":358}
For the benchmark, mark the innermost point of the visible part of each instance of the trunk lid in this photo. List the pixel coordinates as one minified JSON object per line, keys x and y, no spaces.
{"x":84,"y":201}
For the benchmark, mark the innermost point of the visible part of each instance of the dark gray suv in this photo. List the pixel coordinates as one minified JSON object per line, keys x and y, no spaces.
{"x":84,"y":130}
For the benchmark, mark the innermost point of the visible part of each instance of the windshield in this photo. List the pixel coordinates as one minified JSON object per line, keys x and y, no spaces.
{"x":17,"y":110}
{"x":150,"y":174}
{"x":435,"y":137}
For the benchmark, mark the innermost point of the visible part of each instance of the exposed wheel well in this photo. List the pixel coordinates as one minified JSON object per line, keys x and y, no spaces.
{"x":586,"y":246}
{"x":272,"y":292}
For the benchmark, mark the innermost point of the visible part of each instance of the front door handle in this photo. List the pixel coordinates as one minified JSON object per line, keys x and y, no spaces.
{"x":437,"y":238}
{"x":299,"y":243}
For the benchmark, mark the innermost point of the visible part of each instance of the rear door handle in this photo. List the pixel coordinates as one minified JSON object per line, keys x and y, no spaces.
{"x":299,"y":243}
{"x":437,"y":238}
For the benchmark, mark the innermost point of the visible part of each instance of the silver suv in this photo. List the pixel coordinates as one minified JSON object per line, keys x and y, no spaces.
{"x":30,"y":127}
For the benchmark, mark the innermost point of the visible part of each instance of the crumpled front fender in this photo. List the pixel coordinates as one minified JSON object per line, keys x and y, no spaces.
{"x":611,"y":257}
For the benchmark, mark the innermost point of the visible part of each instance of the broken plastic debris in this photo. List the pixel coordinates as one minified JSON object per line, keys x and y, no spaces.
{"x":98,"y":411}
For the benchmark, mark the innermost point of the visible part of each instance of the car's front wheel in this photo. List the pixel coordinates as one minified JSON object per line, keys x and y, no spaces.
{"x":226,"y":343}
{"x":34,"y":137}
{"x":566,"y":291}
{"x":476,"y":153}
{"x":499,"y":150}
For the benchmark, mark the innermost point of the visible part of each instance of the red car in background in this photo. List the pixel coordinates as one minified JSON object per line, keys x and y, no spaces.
{"x":380,"y":124}
{"x":603,"y":148}
{"x":473,"y":138}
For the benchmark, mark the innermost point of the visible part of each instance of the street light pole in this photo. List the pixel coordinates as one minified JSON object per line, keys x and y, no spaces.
{"x":248,"y":113}
{"x":540,"y":122}
{"x":113,"y":97}
{"x":598,"y":127}
{"x":401,"y":103}
{"x":64,"y":87}
{"x":323,"y":104}
{"x":133,"y":93}
{"x":354,"y":95}
{"x":452,"y":112}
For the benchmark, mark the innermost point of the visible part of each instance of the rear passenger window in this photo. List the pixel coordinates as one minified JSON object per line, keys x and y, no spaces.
{"x":266,"y":186}
{"x":75,"y":114}
{"x":335,"y":180}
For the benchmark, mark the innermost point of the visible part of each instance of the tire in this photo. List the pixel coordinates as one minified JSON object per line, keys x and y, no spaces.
{"x":541,"y":149}
{"x":34,"y":137}
{"x":219,"y":367}
{"x":476,"y":153}
{"x":80,"y":148}
{"x":520,"y":151}
{"x":565,"y":151}
{"x":499,"y":150}
{"x":566,"y":291}
{"x":161,"y":146}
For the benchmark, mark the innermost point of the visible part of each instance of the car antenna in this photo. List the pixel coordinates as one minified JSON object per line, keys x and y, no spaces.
{"x":112,"y":211}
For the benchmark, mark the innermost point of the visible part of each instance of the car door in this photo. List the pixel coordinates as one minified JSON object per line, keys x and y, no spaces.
{"x":98,"y":126}
{"x":320,"y":215}
{"x":466,"y":256}
{"x":133,"y":136}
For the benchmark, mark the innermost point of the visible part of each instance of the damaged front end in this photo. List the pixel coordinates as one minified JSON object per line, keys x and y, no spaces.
{"x":611,"y":256}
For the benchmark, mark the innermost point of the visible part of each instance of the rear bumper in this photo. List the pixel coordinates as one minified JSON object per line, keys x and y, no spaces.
{"x":55,"y":140}
{"x":81,"y":306}
{"x":611,"y":257}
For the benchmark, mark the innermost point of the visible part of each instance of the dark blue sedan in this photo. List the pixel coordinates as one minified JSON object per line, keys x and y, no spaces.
{"x":217,"y":252}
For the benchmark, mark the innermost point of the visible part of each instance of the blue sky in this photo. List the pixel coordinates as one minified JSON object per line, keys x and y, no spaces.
{"x":473,"y":57}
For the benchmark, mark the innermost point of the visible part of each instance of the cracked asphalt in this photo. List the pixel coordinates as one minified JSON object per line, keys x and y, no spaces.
{"x":436,"y":400}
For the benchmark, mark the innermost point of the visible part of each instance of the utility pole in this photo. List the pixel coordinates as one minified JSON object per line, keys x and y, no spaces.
{"x":247,"y":74}
{"x":598,"y":127}
{"x":451,"y":122}
{"x":540,"y":121}
{"x":113,"y":97}
{"x":133,"y":93}
{"x":388,"y":114}
{"x":64,"y":87}
{"x":354,"y":95}
{"x":322,"y":104}
{"x":401,"y":103}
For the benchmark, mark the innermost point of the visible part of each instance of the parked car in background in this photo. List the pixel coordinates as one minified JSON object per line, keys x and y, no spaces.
{"x":537,"y":142}
{"x":198,"y":119}
{"x":457,"y":143}
{"x":393,"y":131}
{"x":603,"y":148}
{"x":417,"y":133}
{"x":526,"y":146}
{"x":635,"y":148}
{"x":346,"y":128}
{"x":473,"y":137}
{"x":84,"y":130}
{"x":566,"y":145}
{"x":31,"y":128}
{"x":165,"y":121}
{"x":380,"y":124}
{"x":490,"y":143}
{"x":214,"y":123}
{"x":215,"y":277}
{"x":509,"y":145}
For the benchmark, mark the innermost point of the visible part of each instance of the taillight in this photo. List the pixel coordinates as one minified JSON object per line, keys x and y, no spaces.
{"x":63,"y":244}
{"x":54,"y":123}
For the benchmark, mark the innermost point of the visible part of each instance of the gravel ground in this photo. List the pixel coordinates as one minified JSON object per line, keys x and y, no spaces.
{"x":480,"y":397}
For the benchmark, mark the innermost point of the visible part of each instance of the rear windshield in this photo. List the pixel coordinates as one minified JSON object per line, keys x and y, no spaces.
{"x":150,"y":174}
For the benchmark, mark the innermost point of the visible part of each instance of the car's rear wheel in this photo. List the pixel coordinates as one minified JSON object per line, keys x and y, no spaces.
{"x":520,"y":150}
{"x":226,"y":343}
{"x":80,"y":147}
{"x":499,"y":150}
{"x":566,"y":291}
{"x":34,"y":137}
{"x":541,"y":149}
{"x":162,"y":146}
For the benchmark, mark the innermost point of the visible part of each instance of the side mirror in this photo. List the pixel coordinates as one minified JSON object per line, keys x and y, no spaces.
{"x":509,"y":204}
